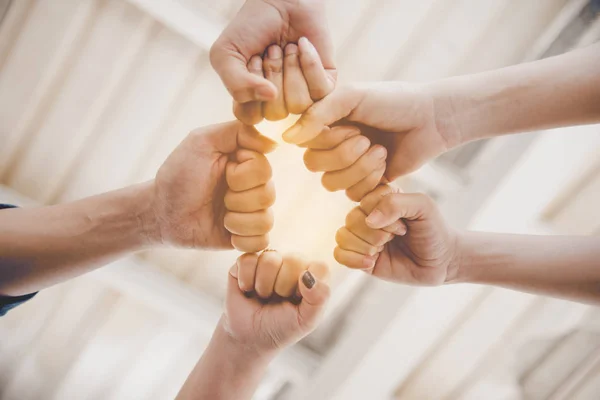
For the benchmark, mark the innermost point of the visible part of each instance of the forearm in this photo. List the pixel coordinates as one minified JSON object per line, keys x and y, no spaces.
{"x":554,"y":92}
{"x":226,"y":370}
{"x":561,"y":266}
{"x":42,"y":246}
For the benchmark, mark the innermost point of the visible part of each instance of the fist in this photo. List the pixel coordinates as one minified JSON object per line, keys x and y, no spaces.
{"x":250,"y":194}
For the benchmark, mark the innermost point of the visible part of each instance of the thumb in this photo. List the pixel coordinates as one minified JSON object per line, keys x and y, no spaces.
{"x":243,"y":85}
{"x":338,"y":105}
{"x":394,"y":206}
{"x":315,"y":293}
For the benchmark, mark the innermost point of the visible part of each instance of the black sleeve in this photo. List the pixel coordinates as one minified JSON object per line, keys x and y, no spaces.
{"x":7,"y":303}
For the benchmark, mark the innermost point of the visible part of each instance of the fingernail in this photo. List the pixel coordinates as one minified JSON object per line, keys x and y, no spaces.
{"x":362,"y":145}
{"x":380,"y":249}
{"x":400,"y":230}
{"x":255,"y":65}
{"x":292,"y":133}
{"x":263,"y":93}
{"x":368,"y":262}
{"x":274,"y":52}
{"x":375,"y":218}
{"x":248,"y":294}
{"x":291,"y":48}
{"x":308,"y":280}
{"x":379,"y":153}
{"x":306,"y":46}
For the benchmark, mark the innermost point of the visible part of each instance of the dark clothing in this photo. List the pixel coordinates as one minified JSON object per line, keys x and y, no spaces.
{"x":7,"y":303}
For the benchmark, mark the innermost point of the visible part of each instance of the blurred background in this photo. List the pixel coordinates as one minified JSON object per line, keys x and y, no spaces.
{"x":94,"y":95}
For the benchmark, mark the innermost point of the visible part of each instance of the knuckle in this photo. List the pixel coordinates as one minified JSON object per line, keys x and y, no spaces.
{"x":310,"y":160}
{"x":353,"y":217}
{"x":274,"y":66}
{"x":266,"y":197}
{"x":328,"y":182}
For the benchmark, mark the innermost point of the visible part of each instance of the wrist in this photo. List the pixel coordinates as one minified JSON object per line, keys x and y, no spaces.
{"x":461,"y":262}
{"x":451,"y":109}
{"x":141,"y":212}
{"x":239,"y":350}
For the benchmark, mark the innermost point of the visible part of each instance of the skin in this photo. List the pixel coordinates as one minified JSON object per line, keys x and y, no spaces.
{"x":184,"y":206}
{"x":417,"y":122}
{"x":252,"y":332}
{"x":259,"y":24}
{"x":430,"y":253}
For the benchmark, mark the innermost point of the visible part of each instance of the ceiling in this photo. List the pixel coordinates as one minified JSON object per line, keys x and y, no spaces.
{"x":94,"y":95}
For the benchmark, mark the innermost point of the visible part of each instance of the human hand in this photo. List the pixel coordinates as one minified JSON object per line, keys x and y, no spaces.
{"x":190,"y":191}
{"x":422,"y":250}
{"x":270,"y":321}
{"x":249,"y":196}
{"x":299,"y":76}
{"x":259,"y":24}
{"x":405,"y":119}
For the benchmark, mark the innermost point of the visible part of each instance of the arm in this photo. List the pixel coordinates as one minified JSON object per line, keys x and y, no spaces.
{"x":226,"y":370}
{"x":418,"y":122}
{"x":42,"y":246}
{"x":429,"y":253}
{"x":561,"y":266}
{"x":183,"y":206}
{"x":554,"y":92}
{"x":255,"y":327}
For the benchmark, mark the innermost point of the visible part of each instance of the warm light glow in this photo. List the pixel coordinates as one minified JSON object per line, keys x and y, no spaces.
{"x":306,"y":215}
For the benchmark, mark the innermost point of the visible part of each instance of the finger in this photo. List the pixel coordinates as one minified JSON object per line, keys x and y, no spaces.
{"x":348,"y":241}
{"x":297,"y":96}
{"x":275,"y":109}
{"x":343,"y":156}
{"x":251,"y":112}
{"x":287,"y":280}
{"x":354,"y":260}
{"x":397,"y":228}
{"x":372,"y":160}
{"x":246,"y":271}
{"x":315,"y":293}
{"x":358,"y":191}
{"x":227,"y":137}
{"x":355,"y":223}
{"x":255,"y":199}
{"x":249,"y":224}
{"x":399,"y":205}
{"x":330,"y":138}
{"x":339,"y":104}
{"x":249,"y":138}
{"x":269,"y":264}
{"x":250,"y":244}
{"x":369,"y":201}
{"x":319,"y":83}
{"x":243,"y":85}
{"x":249,"y":170}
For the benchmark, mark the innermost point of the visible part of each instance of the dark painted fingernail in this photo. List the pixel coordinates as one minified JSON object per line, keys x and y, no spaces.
{"x":308,"y":280}
{"x":248,"y":294}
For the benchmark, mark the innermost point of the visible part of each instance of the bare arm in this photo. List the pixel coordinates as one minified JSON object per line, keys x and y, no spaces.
{"x":560,"y":266}
{"x":430,"y":253}
{"x":226,"y":370}
{"x":554,"y":92}
{"x":45,"y":245}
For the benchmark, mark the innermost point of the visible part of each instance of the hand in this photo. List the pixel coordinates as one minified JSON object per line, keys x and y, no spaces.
{"x":403,"y":118}
{"x":300,"y":79}
{"x":276,"y":323}
{"x":258,"y":24}
{"x":188,"y":197}
{"x":251,"y":192}
{"x":421,"y":252}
